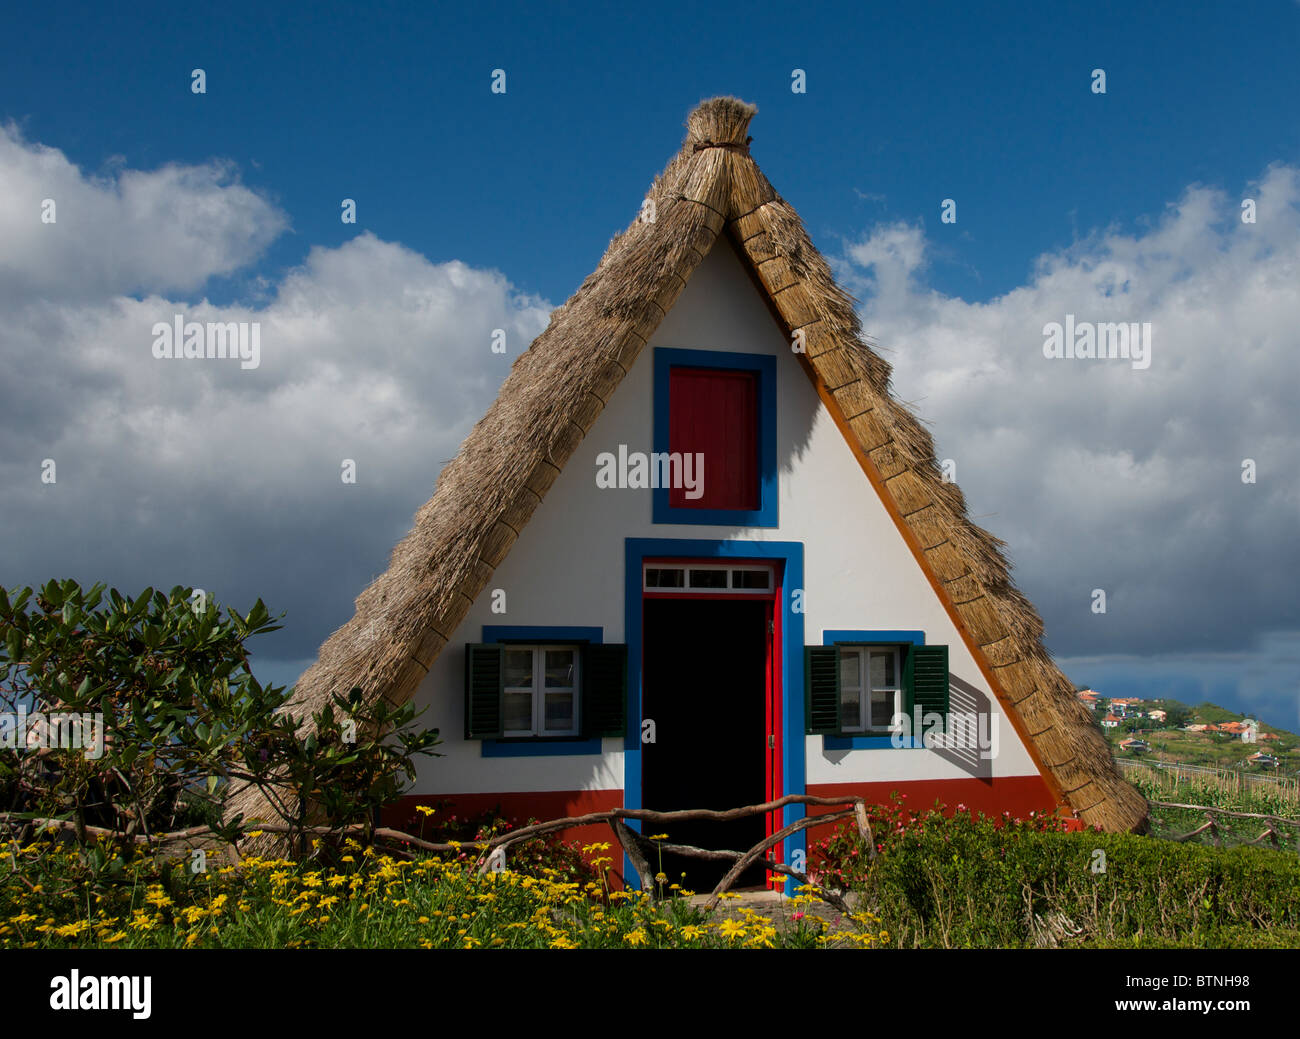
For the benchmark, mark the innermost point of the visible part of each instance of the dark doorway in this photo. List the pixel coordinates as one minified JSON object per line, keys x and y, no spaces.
{"x":705,"y":687}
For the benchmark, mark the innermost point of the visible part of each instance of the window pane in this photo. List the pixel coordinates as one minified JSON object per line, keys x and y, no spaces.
{"x":559,"y":712}
{"x":882,"y":708}
{"x":665,"y":578}
{"x":559,"y":668}
{"x":850,"y":669}
{"x":882,"y":670}
{"x":708,"y":579}
{"x":751,"y":579}
{"x":519,"y":669}
{"x":851,"y":709}
{"x":519,"y":712}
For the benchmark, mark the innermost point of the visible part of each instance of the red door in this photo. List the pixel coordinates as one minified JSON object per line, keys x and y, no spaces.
{"x":774,"y":778}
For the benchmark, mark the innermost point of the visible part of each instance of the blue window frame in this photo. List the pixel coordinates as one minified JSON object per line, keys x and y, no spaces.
{"x":765,"y":367}
{"x":868,"y":638}
{"x":532,"y":747}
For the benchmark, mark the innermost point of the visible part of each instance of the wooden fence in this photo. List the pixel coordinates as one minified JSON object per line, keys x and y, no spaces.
{"x":1271,"y":832}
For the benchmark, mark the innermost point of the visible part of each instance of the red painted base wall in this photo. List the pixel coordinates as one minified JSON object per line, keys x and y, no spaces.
{"x":1018,"y":795}
{"x":518,"y":808}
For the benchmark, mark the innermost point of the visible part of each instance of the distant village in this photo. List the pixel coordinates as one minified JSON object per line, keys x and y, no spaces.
{"x":1147,"y":718}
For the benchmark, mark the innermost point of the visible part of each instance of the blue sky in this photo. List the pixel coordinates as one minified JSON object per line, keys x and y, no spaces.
{"x":493,"y":208}
{"x":907,"y":104}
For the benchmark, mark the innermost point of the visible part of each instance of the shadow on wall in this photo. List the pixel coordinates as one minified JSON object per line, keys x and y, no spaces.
{"x":973,"y":711}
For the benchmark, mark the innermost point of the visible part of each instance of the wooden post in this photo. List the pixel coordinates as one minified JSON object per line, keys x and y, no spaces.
{"x":628,"y":840}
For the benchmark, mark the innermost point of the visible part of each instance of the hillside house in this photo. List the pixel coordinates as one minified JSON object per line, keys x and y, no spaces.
{"x":698,"y":555}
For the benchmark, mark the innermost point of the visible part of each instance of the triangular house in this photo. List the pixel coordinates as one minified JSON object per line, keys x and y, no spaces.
{"x":763,"y":625}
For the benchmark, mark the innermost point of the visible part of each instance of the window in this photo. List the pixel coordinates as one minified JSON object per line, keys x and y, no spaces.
{"x":705,"y":578}
{"x":715,"y":430}
{"x":857,"y":688}
{"x":541,"y":691}
{"x":871,"y":689}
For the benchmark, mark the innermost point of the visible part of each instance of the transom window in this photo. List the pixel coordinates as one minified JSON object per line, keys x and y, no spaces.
{"x":706,"y":578}
{"x":540,"y":689}
{"x":871,"y":688}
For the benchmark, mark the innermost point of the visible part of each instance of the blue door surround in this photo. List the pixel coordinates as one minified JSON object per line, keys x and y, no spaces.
{"x":636,"y":551}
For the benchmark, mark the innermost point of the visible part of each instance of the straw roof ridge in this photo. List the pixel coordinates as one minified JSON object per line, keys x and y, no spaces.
{"x":557,"y":388}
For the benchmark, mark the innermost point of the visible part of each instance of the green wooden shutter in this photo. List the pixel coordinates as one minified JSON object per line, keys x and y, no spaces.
{"x":926,"y":681}
{"x":483,"y":691}
{"x":604,"y":690}
{"x":821,"y":669}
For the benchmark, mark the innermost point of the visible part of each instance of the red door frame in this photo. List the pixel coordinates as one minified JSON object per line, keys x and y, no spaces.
{"x":774,"y":706}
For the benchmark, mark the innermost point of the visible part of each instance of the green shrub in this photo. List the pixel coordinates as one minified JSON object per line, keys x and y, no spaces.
{"x":977,"y":882}
{"x":178,"y":718}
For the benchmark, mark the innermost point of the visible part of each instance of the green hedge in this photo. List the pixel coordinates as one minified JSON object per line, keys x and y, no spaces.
{"x":964,"y":882}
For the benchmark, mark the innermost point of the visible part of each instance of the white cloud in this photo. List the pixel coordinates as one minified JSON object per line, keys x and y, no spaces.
{"x":169,"y":229}
{"x":198,"y":471}
{"x":1102,"y":476}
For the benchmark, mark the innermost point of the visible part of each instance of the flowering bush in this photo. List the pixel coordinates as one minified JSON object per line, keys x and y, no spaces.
{"x":368,"y":900}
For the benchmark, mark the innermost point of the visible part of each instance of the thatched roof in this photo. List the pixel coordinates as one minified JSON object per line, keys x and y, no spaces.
{"x":559,"y":386}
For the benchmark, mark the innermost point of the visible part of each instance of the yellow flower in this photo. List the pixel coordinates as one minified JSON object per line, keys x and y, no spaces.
{"x":424,"y":810}
{"x":690,"y":932}
{"x":637,"y":937}
{"x":658,"y":837}
{"x":731,"y":929}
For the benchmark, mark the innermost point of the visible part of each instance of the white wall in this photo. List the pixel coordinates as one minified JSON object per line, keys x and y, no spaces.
{"x":567,"y":566}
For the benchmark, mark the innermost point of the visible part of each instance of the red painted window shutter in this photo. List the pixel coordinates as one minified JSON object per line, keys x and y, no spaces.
{"x":714,"y":411}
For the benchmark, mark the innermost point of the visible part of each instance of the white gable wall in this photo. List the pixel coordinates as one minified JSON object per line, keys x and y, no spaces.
{"x":567,"y":566}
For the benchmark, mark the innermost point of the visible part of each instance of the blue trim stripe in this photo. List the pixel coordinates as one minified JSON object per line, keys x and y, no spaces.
{"x":541,"y":633}
{"x":765,"y":365}
{"x":893,"y":638}
{"x":538,"y":748}
{"x":636,"y":551}
{"x":543,"y":747}
{"x":868,"y":743}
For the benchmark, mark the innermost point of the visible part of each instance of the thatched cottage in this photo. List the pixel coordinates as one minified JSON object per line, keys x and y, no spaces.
{"x":697,"y":555}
